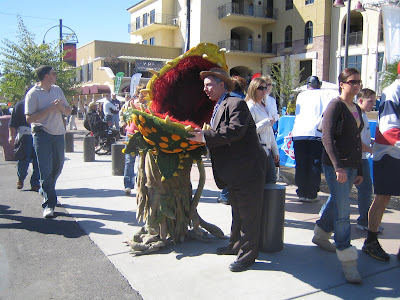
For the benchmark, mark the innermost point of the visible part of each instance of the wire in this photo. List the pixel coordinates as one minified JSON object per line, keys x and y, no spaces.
{"x":13,"y":14}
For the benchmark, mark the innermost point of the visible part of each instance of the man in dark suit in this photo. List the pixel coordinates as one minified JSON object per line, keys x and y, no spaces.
{"x":238,"y":162}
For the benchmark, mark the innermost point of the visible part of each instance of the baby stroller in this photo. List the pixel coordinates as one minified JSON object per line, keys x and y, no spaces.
{"x":104,"y":136}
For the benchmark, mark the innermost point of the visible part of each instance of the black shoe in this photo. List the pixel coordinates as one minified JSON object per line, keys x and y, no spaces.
{"x":225,"y":251}
{"x":35,"y":188}
{"x":375,"y":250}
{"x":223,"y":201}
{"x":239,"y":266}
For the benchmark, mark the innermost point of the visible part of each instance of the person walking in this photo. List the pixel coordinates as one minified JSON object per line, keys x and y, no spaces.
{"x":45,"y":105}
{"x":115,"y":117}
{"x":238,"y":162}
{"x":341,"y":158}
{"x":72,"y":120}
{"x":255,"y":100}
{"x":19,"y":132}
{"x":386,"y":167}
{"x":310,"y":105}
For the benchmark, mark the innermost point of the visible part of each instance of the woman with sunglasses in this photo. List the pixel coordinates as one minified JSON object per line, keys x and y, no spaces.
{"x":256,"y":93}
{"x":341,"y":159}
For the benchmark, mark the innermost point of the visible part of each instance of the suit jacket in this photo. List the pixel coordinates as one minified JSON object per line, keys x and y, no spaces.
{"x":236,"y":154}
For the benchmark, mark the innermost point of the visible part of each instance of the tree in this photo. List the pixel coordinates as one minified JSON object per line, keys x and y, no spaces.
{"x":20,"y":60}
{"x":390,"y":74}
{"x":287,"y":78}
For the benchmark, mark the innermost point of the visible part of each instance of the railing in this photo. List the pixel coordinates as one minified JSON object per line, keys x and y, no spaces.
{"x":355,"y":38}
{"x":247,"y":46}
{"x":247,"y":10}
{"x":162,"y":19}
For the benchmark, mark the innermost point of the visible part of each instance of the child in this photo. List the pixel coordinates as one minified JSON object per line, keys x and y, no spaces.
{"x":366,"y":99}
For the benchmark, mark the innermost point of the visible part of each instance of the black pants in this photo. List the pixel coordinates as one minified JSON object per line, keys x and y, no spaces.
{"x":308,"y":155}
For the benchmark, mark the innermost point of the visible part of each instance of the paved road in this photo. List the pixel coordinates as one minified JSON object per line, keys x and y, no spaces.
{"x":46,"y":258}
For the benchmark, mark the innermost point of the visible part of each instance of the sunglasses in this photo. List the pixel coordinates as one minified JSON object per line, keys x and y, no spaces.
{"x":263,"y":87}
{"x":354,"y":82}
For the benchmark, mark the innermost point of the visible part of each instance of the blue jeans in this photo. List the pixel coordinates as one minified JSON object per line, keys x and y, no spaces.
{"x":50,"y":154}
{"x":224,"y":194}
{"x":23,"y":165}
{"x":335,"y":213}
{"x":364,"y":194}
{"x":129,"y":169}
{"x":115,"y":121}
{"x":308,"y":155}
{"x":270,"y":176}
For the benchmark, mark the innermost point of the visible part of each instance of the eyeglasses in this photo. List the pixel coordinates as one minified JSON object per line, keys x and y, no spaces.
{"x":354,"y":82}
{"x":263,"y":87}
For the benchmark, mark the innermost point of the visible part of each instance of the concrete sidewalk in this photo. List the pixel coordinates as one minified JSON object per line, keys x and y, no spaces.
{"x":192,"y":270}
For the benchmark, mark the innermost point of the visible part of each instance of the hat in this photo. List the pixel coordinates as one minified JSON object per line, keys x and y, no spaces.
{"x":221,"y":74}
{"x":92,"y":104}
{"x":313,"y":82}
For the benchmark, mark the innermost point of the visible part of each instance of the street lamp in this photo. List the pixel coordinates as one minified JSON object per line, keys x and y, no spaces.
{"x":72,"y":36}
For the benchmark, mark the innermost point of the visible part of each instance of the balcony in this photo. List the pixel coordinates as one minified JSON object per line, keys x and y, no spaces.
{"x":247,"y":13}
{"x":355,"y":38}
{"x":246,"y":47}
{"x":154,"y":22}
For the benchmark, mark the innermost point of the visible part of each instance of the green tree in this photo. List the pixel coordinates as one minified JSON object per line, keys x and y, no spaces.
{"x":390,"y":74}
{"x":287,"y":77}
{"x":20,"y":60}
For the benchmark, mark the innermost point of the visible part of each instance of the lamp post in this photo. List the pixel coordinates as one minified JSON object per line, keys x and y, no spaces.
{"x":73,"y":35}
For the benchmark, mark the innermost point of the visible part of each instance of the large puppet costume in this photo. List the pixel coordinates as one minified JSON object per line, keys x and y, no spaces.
{"x":177,"y":104}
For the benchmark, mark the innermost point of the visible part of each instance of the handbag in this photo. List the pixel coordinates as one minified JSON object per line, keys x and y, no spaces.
{"x":20,"y":148}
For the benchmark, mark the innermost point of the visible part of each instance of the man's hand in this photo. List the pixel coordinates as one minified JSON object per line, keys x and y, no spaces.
{"x":198,"y":136}
{"x":358,"y":180}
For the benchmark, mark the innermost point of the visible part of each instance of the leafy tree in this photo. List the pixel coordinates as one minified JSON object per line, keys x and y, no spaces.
{"x":390,"y":74}
{"x":287,"y":78}
{"x":20,"y":60}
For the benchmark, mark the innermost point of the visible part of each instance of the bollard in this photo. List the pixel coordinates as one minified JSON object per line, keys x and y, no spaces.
{"x":69,"y":142}
{"x":272,"y":218}
{"x":88,"y":148}
{"x":117,"y":159}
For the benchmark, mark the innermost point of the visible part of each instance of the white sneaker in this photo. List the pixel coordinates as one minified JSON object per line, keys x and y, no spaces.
{"x":127,"y":191}
{"x":309,"y":200}
{"x":302,"y":199}
{"x":48,"y":212}
{"x":365,"y":228}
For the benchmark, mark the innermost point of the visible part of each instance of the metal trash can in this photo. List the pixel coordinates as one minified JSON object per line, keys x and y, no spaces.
{"x":117,"y":159}
{"x":272,"y":218}
{"x":69,"y":142}
{"x":88,"y":149}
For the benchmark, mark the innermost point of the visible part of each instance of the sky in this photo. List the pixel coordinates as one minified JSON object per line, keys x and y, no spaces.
{"x":90,"y":20}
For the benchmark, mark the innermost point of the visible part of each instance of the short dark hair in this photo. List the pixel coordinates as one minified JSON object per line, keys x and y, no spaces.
{"x":366,"y":93}
{"x":240,"y":83}
{"x":42,"y":71}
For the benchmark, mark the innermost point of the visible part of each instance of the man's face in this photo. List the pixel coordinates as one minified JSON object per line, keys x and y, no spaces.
{"x":108,"y":96}
{"x":213,"y":89}
{"x":114,"y":97}
{"x":52,"y":77}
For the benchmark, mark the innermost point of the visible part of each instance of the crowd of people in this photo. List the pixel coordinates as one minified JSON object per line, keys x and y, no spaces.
{"x":331,"y":133}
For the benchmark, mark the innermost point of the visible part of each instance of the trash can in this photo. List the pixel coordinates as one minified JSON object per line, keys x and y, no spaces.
{"x":69,"y":142}
{"x":117,"y":159}
{"x":272,"y":218}
{"x":88,"y":148}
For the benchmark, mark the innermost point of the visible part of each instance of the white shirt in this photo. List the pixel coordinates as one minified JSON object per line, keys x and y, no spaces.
{"x":272,"y":110}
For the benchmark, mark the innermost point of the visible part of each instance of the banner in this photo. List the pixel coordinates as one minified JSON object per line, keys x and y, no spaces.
{"x":134,"y":83}
{"x":117,"y":82}
{"x":284,"y":141}
{"x":391,"y":26}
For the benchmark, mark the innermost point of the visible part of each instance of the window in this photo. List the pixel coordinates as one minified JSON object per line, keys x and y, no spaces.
{"x":90,"y":72}
{"x":152,"y":16}
{"x":308,"y":33}
{"x":353,"y":62}
{"x":309,"y":2}
{"x":152,"y":41}
{"x":288,"y":37}
{"x":137,"y":23}
{"x":144,"y":19}
{"x":380,"y":61}
{"x":144,"y":42}
{"x":289,"y":4}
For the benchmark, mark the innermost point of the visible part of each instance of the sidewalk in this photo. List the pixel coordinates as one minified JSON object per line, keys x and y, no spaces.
{"x":192,"y":270}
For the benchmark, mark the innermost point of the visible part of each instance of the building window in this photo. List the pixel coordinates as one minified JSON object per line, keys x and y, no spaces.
{"x":144,"y":19}
{"x":152,"y":16}
{"x":308,"y":33}
{"x":353,"y":62}
{"x":90,"y":72}
{"x":144,"y":42}
{"x":137,"y":23}
{"x":152,"y":41}
{"x":81,"y":78}
{"x":380,"y":61}
{"x":309,"y":2}
{"x":288,"y":37}
{"x":289,"y":4}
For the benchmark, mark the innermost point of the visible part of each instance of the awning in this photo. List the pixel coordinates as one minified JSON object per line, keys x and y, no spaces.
{"x":84,"y":90}
{"x":99,"y":89}
{"x":145,"y":63}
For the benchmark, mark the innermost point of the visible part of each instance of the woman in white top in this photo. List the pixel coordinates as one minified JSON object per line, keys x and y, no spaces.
{"x":256,"y":93}
{"x":270,"y":101}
